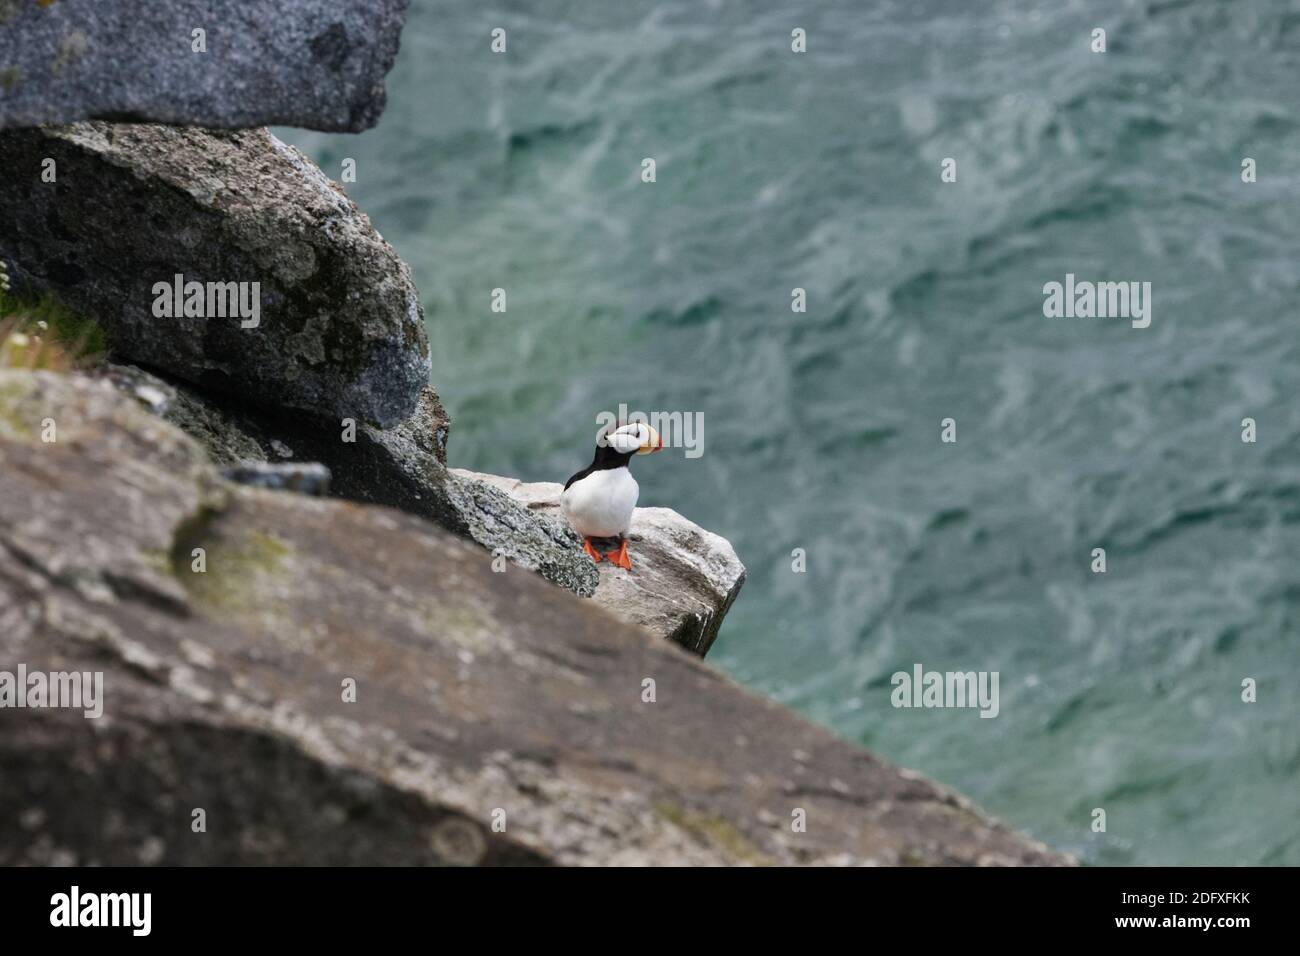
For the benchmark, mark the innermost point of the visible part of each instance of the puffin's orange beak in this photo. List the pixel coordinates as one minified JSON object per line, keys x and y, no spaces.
{"x":653,"y":442}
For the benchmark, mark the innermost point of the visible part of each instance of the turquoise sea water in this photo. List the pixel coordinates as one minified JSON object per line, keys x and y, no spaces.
{"x":820,"y":170}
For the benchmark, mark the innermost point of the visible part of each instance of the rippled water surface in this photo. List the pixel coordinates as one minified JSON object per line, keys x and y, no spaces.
{"x":821,"y":171}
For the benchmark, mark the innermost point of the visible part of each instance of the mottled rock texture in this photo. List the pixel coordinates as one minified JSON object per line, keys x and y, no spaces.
{"x":226,"y":438}
{"x":341,"y":331}
{"x":403,"y":466}
{"x":477,"y":692}
{"x":683,"y":578}
{"x":314,"y":63}
{"x":311,"y":478}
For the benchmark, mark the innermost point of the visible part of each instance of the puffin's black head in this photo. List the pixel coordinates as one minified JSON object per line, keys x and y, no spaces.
{"x":616,"y":445}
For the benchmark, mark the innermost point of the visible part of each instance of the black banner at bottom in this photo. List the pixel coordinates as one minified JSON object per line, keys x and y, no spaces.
{"x":332,"y":906}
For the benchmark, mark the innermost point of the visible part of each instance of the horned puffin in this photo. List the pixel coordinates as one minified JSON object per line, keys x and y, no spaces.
{"x":599,"y":500}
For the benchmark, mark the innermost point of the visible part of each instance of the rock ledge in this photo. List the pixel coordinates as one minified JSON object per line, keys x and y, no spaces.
{"x":683,"y":578}
{"x":476,"y":693}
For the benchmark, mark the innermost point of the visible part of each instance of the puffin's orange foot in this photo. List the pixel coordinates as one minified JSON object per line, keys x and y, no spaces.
{"x":619,"y":558}
{"x":587,"y":546}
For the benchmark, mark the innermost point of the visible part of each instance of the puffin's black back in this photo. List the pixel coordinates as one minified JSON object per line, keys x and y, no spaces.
{"x":606,"y":457}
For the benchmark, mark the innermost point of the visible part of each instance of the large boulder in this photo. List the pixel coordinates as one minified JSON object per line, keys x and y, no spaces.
{"x":345,"y":684}
{"x":340,"y":331}
{"x":313,"y":63}
{"x":683,"y":578}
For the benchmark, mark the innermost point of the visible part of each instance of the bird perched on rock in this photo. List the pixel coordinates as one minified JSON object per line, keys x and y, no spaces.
{"x":599,"y":500}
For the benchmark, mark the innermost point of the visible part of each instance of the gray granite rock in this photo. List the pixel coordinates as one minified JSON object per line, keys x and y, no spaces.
{"x":227,"y":440}
{"x":308,"y":478}
{"x":314,"y":63}
{"x":403,"y":466}
{"x":340,"y":332}
{"x":683,"y":578}
{"x":518,"y":534}
{"x":344,"y":684}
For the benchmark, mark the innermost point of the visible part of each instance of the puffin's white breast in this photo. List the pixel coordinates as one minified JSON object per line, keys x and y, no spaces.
{"x":601,"y":505}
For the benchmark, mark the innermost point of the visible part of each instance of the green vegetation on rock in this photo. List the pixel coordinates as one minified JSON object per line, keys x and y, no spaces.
{"x":12,"y":424}
{"x":41,"y":333}
{"x":233,"y":568}
{"x":714,"y":831}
